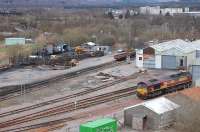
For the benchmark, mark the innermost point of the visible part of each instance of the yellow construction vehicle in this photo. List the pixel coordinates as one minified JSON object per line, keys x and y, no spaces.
{"x":80,"y":50}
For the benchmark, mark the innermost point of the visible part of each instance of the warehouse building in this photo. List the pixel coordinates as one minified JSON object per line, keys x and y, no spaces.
{"x":175,"y":54}
{"x":157,"y":10}
{"x":155,"y":114}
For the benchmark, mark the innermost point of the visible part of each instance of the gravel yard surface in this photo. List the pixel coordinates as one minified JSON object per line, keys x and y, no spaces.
{"x":29,"y":75}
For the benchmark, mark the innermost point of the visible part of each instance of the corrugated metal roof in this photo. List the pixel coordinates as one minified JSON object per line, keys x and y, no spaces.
{"x":158,"y":105}
{"x":91,"y":44}
{"x":178,"y":44}
{"x":196,"y":44}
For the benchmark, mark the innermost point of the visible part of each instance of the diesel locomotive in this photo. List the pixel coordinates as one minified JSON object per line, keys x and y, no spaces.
{"x":155,"y":87}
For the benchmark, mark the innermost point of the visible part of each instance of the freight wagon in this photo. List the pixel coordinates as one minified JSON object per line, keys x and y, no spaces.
{"x":155,"y":87}
{"x":100,"y":125}
{"x":122,"y":56}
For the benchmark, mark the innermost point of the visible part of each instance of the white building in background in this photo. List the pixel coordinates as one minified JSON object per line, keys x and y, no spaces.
{"x":171,"y":11}
{"x":193,"y":14}
{"x":186,"y":9}
{"x":147,"y":10}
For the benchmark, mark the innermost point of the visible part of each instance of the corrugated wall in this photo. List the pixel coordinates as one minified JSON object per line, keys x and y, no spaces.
{"x":196,"y":72}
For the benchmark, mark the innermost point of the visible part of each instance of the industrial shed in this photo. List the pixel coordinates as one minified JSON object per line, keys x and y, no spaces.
{"x":155,"y":114}
{"x":175,"y":54}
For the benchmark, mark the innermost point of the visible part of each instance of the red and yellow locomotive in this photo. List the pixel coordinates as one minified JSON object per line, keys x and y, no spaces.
{"x":155,"y":87}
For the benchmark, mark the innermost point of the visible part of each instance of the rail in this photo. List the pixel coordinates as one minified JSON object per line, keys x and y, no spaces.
{"x":16,"y":90}
{"x":72,"y":106}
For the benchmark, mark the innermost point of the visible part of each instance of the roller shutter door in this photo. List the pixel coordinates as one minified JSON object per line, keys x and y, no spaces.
{"x":169,"y":62}
{"x":196,"y":72}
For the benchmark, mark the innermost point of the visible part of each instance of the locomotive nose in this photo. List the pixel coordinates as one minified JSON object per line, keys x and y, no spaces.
{"x":141,"y":92}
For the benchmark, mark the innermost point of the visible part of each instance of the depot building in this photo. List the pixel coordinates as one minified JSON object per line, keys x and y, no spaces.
{"x":175,"y":54}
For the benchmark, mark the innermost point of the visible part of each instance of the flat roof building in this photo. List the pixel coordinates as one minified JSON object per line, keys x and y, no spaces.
{"x":15,"y":41}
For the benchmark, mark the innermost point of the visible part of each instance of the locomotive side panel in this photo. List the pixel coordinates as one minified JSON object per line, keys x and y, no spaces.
{"x":173,"y":83}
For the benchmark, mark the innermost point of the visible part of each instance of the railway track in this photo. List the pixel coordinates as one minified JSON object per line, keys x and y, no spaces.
{"x":42,"y":125}
{"x":69,"y":107}
{"x":67,"y":97}
{"x":44,"y":84}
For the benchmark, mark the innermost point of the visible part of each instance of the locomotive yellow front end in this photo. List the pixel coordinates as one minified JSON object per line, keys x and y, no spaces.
{"x":142,"y":91}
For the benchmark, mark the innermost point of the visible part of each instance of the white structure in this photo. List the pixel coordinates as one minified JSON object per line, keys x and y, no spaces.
{"x":196,"y":44}
{"x":147,"y":10}
{"x":139,"y":58}
{"x":186,"y":9}
{"x":173,"y":54}
{"x":153,"y":114}
{"x":91,"y":44}
{"x":171,"y":11}
{"x":150,"y":10}
{"x":195,"y":68}
{"x":194,"y":14}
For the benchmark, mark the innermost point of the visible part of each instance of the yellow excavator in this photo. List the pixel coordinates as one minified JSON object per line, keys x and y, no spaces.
{"x":80,"y":50}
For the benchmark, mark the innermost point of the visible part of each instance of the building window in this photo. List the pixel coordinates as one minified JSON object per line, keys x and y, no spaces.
{"x":140,"y":58}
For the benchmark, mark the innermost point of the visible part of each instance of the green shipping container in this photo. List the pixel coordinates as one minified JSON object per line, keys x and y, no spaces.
{"x":100,"y":125}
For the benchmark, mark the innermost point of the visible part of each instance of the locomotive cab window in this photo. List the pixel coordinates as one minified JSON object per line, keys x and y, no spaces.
{"x":140,"y":58}
{"x":153,"y":80}
{"x":141,"y":85}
